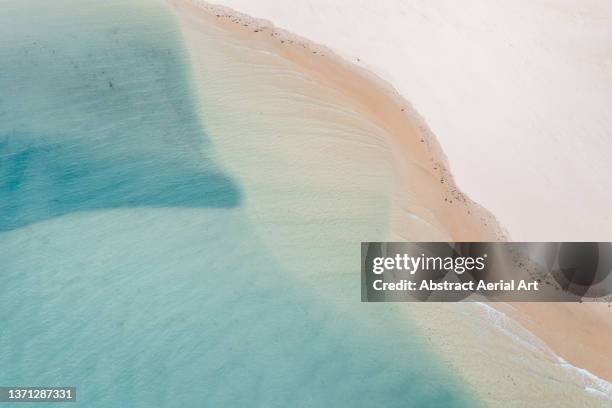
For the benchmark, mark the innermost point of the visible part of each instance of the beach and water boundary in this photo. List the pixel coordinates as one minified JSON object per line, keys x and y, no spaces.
{"x":302,"y":53}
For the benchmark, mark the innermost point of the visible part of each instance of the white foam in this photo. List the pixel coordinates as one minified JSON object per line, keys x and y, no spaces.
{"x":589,"y":381}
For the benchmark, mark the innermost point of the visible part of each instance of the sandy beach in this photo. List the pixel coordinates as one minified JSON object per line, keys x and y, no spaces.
{"x":424,"y":188}
{"x":516,"y":94}
{"x":442,"y":209}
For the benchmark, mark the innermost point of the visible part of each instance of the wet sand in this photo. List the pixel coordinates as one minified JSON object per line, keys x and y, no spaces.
{"x":580,"y":333}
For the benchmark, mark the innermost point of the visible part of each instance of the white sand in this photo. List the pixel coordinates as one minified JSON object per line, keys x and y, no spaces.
{"x":518,"y":94}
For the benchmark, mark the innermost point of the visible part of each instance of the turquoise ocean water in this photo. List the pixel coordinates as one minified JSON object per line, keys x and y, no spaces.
{"x":128,"y":266}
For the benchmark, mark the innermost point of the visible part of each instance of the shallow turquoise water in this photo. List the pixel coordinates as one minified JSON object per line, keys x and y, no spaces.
{"x":129,"y":266}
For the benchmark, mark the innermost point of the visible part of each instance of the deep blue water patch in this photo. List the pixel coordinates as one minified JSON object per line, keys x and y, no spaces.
{"x":41,"y":181}
{"x":96,"y":111}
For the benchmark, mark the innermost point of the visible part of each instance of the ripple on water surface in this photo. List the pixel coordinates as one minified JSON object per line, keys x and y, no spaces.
{"x":131,"y":268}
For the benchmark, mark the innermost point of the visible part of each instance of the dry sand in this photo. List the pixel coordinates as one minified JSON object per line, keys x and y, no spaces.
{"x":516,"y":92}
{"x":579,"y":333}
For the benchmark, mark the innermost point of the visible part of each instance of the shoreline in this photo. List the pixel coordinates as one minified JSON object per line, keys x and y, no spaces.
{"x":520,"y":142}
{"x":575,"y":332}
{"x":441,"y":204}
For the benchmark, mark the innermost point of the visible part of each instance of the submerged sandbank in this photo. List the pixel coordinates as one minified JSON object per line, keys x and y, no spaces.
{"x":427,"y":204}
